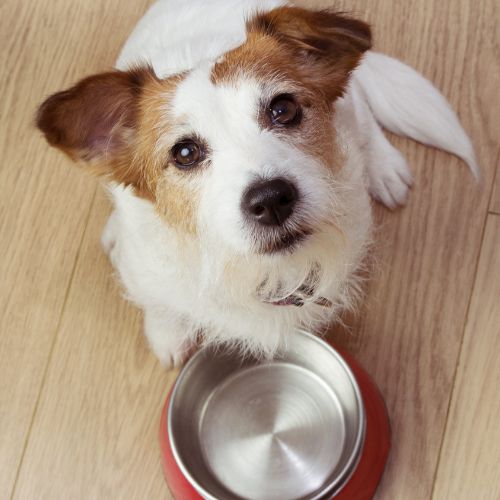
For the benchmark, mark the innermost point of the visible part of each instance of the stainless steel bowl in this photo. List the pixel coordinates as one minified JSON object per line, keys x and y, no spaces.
{"x":292,"y":428}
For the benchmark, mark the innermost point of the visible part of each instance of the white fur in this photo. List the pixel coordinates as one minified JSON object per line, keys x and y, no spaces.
{"x":212,"y":284}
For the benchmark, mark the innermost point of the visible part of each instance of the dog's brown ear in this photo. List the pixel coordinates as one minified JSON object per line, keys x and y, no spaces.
{"x":94,"y":119}
{"x":328,"y":44}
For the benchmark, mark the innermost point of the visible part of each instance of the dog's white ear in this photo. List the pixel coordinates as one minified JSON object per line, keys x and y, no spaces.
{"x":327,"y":45}
{"x":96,"y":121}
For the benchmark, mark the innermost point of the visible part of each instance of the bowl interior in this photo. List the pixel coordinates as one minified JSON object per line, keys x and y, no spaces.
{"x":291,"y":428}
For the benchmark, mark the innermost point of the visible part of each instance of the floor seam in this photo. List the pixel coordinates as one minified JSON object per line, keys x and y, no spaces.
{"x":53,"y":344}
{"x":459,"y":357}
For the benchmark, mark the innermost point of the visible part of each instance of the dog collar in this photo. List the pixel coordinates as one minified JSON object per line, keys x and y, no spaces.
{"x":295,"y":300}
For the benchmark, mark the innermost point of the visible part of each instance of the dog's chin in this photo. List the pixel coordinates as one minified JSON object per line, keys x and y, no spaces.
{"x":285,"y":243}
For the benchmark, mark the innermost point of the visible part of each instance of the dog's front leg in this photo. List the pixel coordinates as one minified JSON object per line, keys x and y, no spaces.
{"x":168,"y":336}
{"x":389,"y":175}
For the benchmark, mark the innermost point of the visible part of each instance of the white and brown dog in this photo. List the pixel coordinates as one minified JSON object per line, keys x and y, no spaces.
{"x":240,"y":142}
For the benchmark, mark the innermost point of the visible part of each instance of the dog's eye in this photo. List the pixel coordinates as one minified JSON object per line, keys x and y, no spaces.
{"x":284,"y":110}
{"x":186,"y":154}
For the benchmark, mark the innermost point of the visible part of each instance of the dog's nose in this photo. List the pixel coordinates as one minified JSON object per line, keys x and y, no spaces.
{"x":270,"y":202}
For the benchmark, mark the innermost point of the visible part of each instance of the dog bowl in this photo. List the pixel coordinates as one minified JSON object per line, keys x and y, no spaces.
{"x":293,"y":428}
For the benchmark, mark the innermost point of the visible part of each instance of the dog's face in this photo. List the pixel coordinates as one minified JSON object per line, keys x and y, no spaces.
{"x":242,"y":149}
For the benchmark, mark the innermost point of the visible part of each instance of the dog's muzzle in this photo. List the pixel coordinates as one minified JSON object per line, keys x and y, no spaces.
{"x":268,"y":207}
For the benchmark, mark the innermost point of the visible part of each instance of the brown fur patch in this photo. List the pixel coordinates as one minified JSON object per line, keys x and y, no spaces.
{"x":112,"y":122}
{"x":268,"y":61}
{"x":317,"y":49}
{"x":176,"y":201}
{"x":311,"y":54}
{"x":175,"y":191}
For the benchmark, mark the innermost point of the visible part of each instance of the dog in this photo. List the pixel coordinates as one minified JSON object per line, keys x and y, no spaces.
{"x":240,"y":143}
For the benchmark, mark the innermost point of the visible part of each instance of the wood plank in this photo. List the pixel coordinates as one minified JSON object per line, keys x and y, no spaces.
{"x":471,"y":450}
{"x":44,"y":204}
{"x":98,"y":417}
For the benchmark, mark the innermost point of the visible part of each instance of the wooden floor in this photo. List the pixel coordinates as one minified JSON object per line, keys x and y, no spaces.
{"x":80,"y":395}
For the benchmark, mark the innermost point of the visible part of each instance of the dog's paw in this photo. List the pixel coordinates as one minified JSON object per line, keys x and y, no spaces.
{"x":170,"y":351}
{"x":390,"y":180}
{"x":167,"y":338}
{"x":170,"y":360}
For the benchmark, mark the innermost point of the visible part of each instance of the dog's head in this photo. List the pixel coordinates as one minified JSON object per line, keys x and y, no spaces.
{"x":242,"y":148}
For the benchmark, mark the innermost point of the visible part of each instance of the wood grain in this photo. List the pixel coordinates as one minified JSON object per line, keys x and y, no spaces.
{"x":94,"y":429}
{"x":44,"y":204}
{"x":471,"y":452}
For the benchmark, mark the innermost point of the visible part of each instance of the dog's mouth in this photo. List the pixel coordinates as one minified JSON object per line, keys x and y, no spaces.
{"x":284,"y":242}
